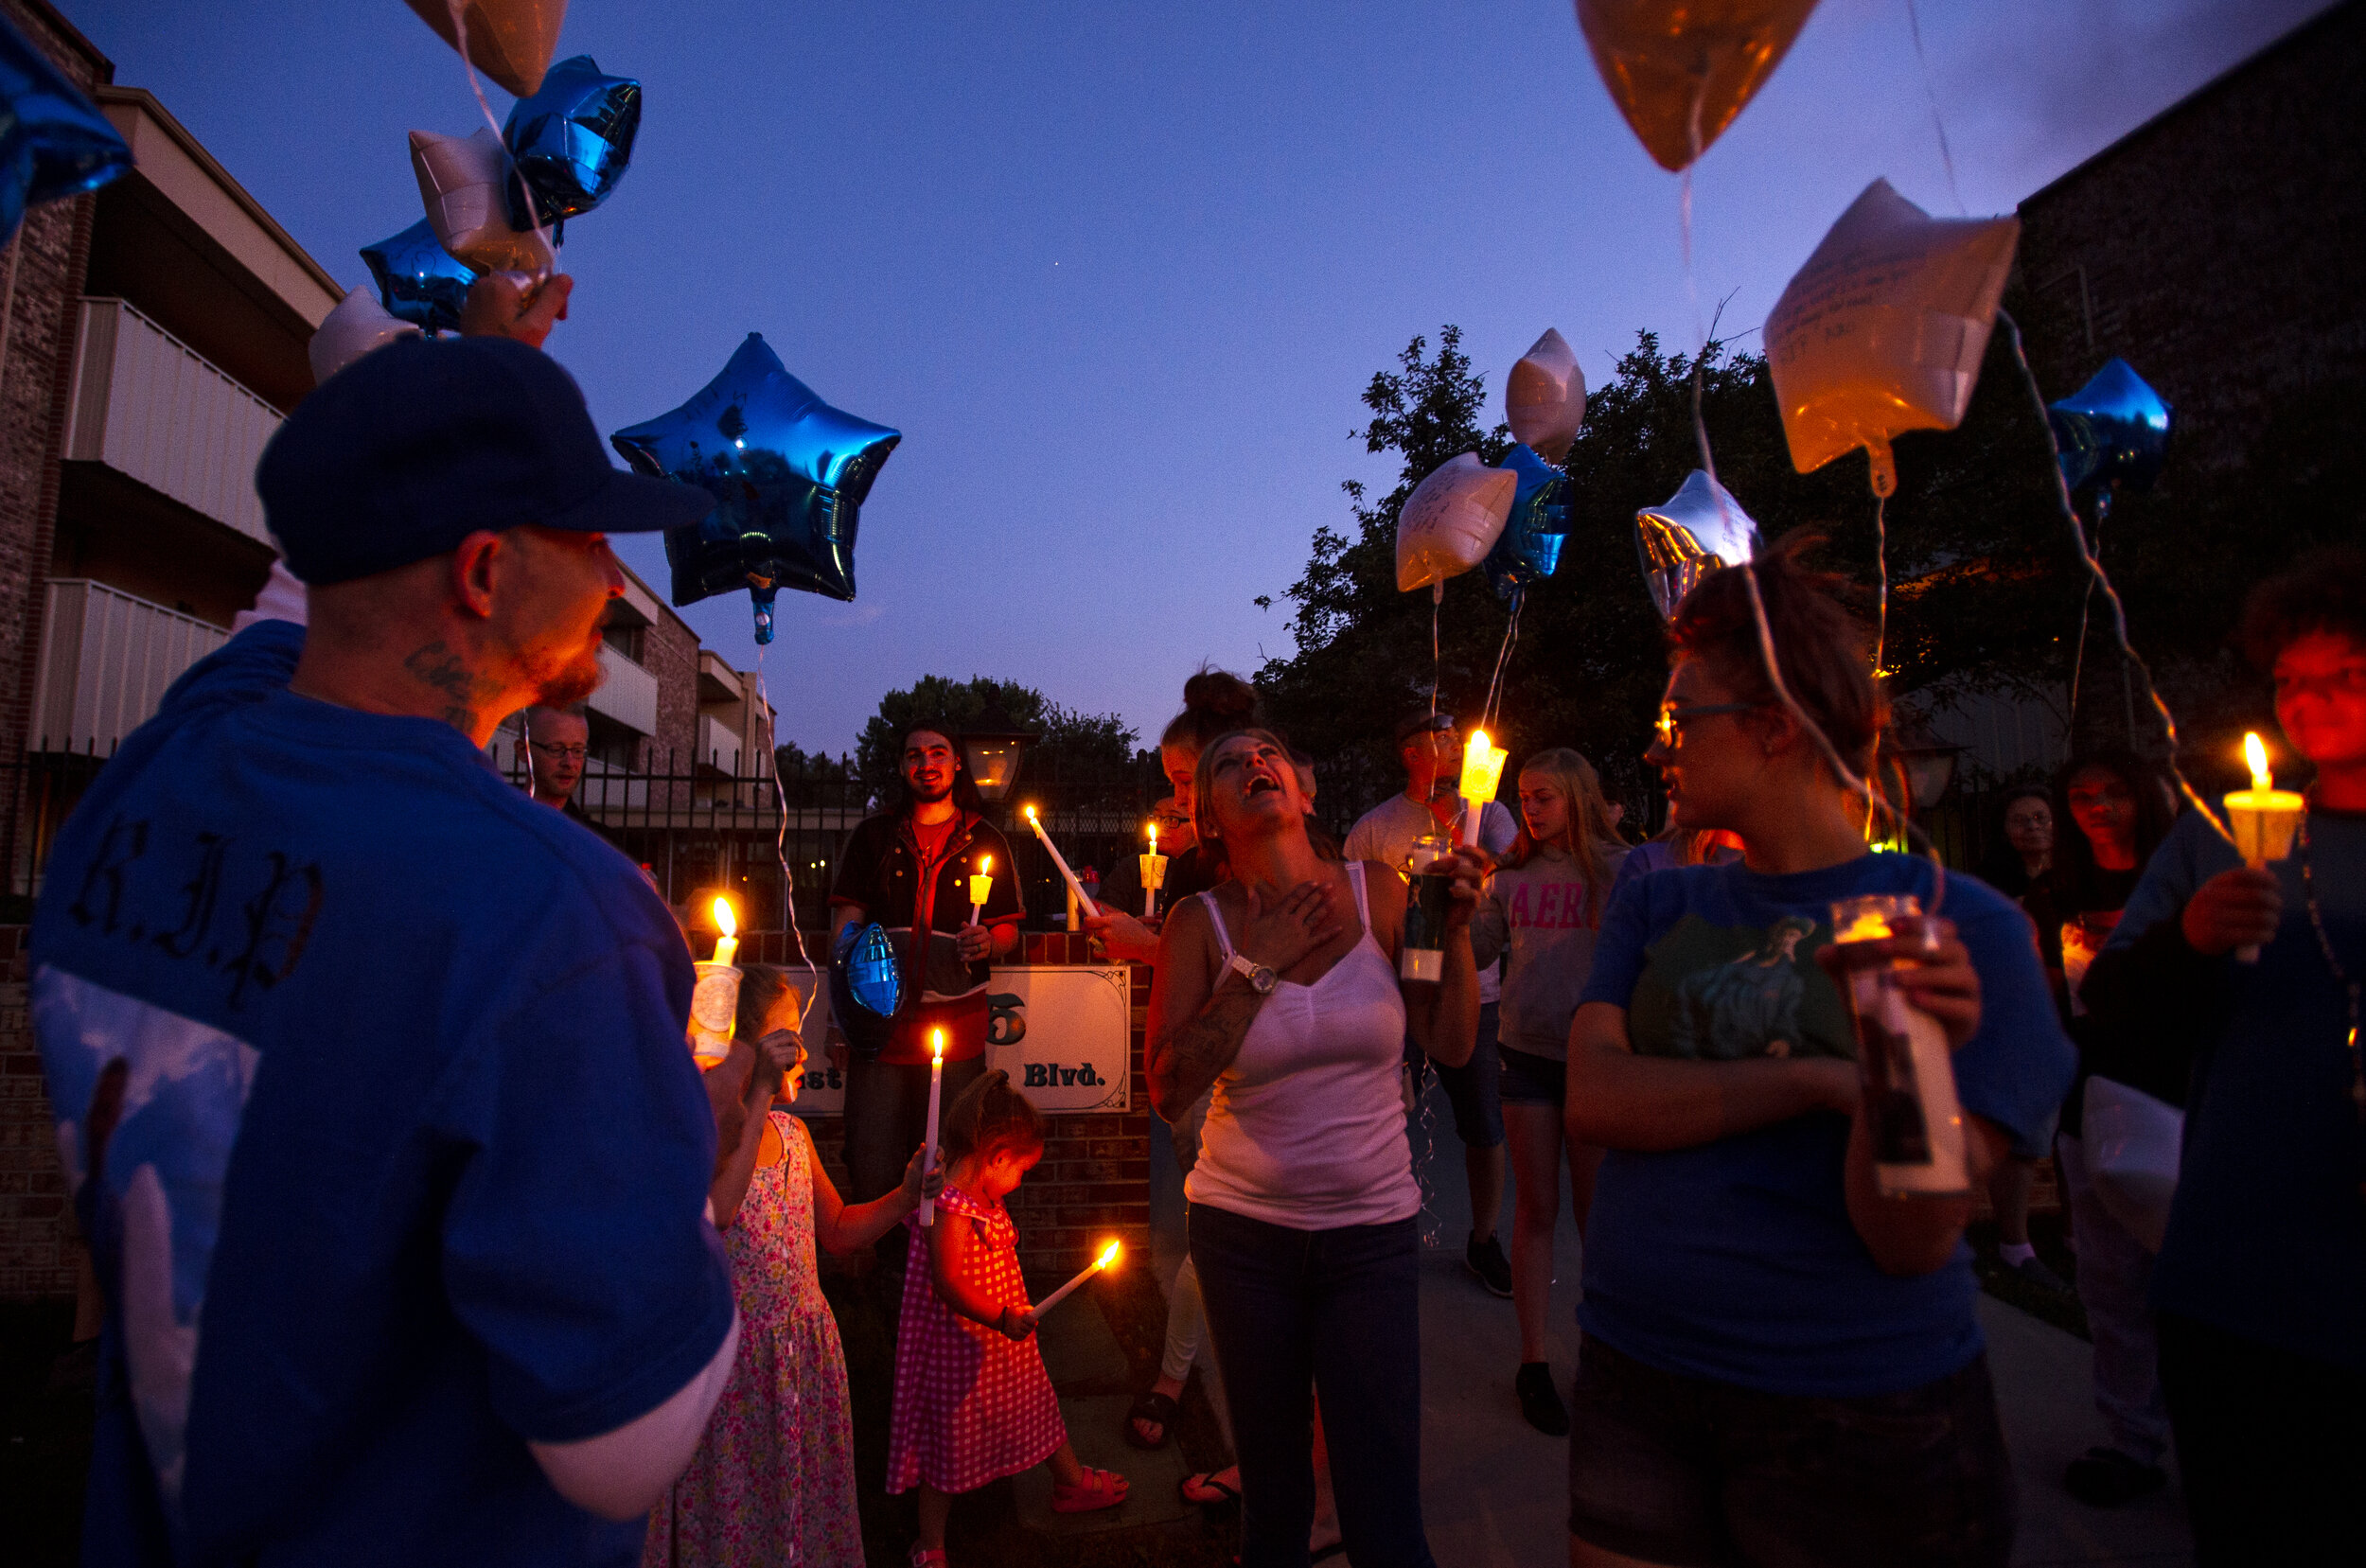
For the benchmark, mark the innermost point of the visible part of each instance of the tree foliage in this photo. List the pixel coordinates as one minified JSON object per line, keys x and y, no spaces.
{"x":1073,"y":745}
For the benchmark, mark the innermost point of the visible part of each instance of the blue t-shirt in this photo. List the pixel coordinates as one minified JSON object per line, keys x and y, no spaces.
{"x":408,"y":1159}
{"x":2267,"y":1236}
{"x":1736,"y":1260}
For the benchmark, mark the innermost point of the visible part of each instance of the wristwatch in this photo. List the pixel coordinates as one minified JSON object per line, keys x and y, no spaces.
{"x":1260,"y":979}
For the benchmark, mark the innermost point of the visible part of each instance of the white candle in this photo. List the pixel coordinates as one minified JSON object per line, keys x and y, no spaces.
{"x":981,"y":884}
{"x":1108,"y":1255}
{"x":1075,"y":886}
{"x":1154,"y":874}
{"x":929,"y":1144}
{"x":727,"y":945}
{"x":2264,"y":819}
{"x":1482,"y":771}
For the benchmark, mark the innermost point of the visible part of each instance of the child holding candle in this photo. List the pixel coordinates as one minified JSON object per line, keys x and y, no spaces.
{"x":973,"y":1402}
{"x":773,"y":1480}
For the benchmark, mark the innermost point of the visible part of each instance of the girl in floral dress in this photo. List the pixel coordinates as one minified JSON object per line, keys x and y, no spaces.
{"x":773,"y":1480}
{"x":972,"y":1400}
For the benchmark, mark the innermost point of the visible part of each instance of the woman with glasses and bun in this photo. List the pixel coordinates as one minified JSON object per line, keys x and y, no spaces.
{"x":1779,"y":1363}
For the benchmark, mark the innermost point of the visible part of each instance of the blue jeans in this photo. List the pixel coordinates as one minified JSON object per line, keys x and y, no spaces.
{"x":1336,"y":1311}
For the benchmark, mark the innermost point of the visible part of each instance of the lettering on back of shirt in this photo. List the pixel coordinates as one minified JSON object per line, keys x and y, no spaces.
{"x":170,"y":896}
{"x":1557,"y":906}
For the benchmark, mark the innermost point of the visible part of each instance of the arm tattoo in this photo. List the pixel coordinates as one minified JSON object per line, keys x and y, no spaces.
{"x":1191,"y":1058}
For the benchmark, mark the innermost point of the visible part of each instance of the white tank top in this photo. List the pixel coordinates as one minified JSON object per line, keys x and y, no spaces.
{"x":1306,"y":1127}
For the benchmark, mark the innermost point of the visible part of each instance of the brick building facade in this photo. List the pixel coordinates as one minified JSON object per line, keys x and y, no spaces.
{"x":2216,"y":247}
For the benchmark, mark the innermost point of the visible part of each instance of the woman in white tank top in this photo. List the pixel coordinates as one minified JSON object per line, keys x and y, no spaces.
{"x":1279,"y":989}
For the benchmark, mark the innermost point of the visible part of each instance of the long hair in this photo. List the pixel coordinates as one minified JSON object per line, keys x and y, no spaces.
{"x":1820,"y":646}
{"x":1591,"y":836}
{"x":965,"y":796}
{"x":2077,"y":880}
{"x":990,"y":1117}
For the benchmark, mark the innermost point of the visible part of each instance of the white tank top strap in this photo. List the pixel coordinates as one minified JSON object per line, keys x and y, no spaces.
{"x":1363,"y":907}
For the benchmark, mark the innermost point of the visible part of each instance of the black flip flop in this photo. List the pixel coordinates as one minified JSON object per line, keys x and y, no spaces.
{"x":1207,"y":1479}
{"x":1150,"y":1406}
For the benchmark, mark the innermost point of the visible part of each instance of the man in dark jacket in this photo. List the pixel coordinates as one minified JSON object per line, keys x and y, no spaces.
{"x":908,"y":869}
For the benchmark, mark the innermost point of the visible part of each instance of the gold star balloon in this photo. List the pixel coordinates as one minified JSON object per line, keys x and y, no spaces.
{"x":511,"y":41}
{"x":1680,"y":70}
{"x":1882,"y":330}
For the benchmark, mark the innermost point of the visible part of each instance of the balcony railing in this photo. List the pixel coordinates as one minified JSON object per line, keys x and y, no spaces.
{"x":627,"y":692}
{"x":147,"y":405}
{"x":106,"y":659}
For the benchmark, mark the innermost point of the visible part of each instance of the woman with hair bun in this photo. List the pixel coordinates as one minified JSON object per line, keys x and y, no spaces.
{"x":1216,"y":702}
{"x":1780,"y":1363}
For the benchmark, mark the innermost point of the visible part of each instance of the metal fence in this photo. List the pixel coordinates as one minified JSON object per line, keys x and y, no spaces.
{"x":701,"y":830}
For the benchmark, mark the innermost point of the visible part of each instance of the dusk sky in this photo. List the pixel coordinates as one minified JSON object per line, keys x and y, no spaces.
{"x":1119,"y":272}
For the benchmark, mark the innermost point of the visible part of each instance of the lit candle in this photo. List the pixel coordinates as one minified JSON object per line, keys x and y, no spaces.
{"x":929,"y":1144}
{"x":727,"y":945}
{"x":1482,"y":771}
{"x":1154,"y":874}
{"x":715,"y":996}
{"x":1108,"y":1255}
{"x":981,"y":884}
{"x":2263,"y":818}
{"x":1075,"y":888}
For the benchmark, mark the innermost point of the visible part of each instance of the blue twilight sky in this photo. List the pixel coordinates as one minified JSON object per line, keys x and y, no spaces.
{"x":1119,"y":271}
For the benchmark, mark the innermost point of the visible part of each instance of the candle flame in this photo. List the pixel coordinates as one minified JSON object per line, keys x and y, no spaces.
{"x":985,"y":864}
{"x":936,"y":1044}
{"x":2256,"y":755}
{"x":1108,"y":1255}
{"x":723,"y":921}
{"x":1031,"y":812}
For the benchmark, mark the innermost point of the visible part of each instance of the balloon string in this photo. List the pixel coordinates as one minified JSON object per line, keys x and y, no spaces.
{"x":2086,"y":603}
{"x":458,"y":10}
{"x":2099,"y":578}
{"x":1692,"y":286}
{"x":1931,"y":92}
{"x":1881,"y":558}
{"x":1502,"y":656}
{"x":780,"y":842}
{"x":1437,"y":598}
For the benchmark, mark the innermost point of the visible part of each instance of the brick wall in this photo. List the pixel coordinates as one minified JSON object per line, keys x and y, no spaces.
{"x":37,"y":1261}
{"x":41,"y":277}
{"x":2216,"y":248}
{"x":670,"y":652}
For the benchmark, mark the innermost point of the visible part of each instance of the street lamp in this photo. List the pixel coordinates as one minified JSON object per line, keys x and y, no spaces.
{"x":1928,"y":770}
{"x":991,"y":749}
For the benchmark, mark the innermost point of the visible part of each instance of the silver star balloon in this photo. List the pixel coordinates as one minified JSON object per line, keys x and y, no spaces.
{"x":1696,"y":531}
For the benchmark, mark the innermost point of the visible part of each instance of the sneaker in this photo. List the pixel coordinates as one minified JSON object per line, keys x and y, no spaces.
{"x":1539,"y":1401}
{"x":2104,"y":1478}
{"x":1486,"y":1259}
{"x":2035,"y":1271}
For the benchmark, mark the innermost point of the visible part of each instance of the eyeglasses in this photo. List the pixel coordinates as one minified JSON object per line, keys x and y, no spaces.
{"x":555,"y":750}
{"x":1673,"y":719}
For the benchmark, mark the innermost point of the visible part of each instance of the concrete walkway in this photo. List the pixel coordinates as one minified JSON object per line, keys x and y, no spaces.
{"x":1495,"y":1491}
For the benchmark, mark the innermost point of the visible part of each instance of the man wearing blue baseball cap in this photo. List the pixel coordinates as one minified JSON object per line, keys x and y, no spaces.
{"x":369,"y":1070}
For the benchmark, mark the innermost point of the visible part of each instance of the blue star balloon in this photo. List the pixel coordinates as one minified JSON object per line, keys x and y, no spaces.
{"x":1529,"y":547}
{"x":1699,"y":529}
{"x":866,"y":986}
{"x":418,"y":280}
{"x":572,"y":140}
{"x":790,"y":473}
{"x":2112,"y":430}
{"x":53,"y":141}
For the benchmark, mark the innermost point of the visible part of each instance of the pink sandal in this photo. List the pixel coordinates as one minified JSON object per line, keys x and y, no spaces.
{"x":922,"y":1558}
{"x":1101,"y":1489}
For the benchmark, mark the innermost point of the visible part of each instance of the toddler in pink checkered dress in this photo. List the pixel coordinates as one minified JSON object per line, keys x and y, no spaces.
{"x":972,"y":1400}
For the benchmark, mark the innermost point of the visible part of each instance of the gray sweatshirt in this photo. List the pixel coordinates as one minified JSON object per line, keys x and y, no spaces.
{"x":1536,"y":912}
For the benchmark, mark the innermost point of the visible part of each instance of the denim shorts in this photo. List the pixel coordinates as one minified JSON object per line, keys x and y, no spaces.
{"x":1699,"y":1474}
{"x":1532,"y":1080}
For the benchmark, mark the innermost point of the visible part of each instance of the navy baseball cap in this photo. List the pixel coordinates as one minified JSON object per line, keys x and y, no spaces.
{"x":417,"y":444}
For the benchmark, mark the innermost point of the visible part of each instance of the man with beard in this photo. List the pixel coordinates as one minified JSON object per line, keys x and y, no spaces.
{"x":366,"y":1064}
{"x":909,"y":870}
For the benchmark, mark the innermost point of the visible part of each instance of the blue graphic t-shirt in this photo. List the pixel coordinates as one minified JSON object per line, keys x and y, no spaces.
{"x":1736,"y":1261}
{"x":373,"y":1096}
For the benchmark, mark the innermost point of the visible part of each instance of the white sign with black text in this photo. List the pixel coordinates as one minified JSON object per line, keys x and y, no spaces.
{"x":1062,"y":1030}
